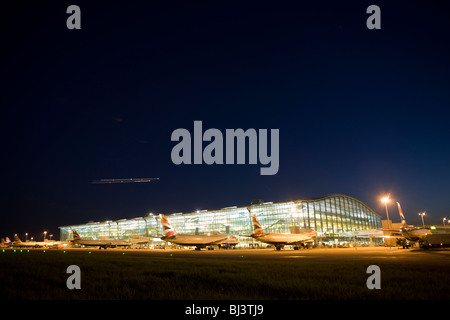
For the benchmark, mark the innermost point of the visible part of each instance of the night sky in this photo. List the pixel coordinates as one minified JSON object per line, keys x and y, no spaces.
{"x":360,"y":112}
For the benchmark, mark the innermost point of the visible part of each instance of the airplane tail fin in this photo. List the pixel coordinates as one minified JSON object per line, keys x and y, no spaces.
{"x":76,"y":236}
{"x":258,"y":229}
{"x":402,"y":217}
{"x":17,"y":239}
{"x":168,"y":229}
{"x":7,"y":240}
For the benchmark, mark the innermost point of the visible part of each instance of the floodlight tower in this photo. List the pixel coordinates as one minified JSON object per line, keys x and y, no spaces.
{"x":422,"y":214}
{"x":385,"y":200}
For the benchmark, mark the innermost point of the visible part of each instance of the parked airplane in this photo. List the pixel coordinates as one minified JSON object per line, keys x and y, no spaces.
{"x":197,"y":241}
{"x":108,"y":243}
{"x":402,"y":235}
{"x":411,"y":233}
{"x":279,"y":240}
{"x":5,"y":243}
{"x":31,"y":244}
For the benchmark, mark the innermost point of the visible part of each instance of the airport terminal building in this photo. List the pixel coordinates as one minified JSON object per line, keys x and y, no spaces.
{"x":332,"y":216}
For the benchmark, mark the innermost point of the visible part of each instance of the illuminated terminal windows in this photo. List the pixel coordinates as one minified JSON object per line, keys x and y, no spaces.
{"x":331,"y":216}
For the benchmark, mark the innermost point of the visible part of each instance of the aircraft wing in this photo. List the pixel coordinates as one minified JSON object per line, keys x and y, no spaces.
{"x":295,"y":242}
{"x":140,"y":241}
{"x":218,"y":241}
{"x":120,"y":243}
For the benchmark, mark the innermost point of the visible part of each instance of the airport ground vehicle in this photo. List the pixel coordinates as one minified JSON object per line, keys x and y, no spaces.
{"x":435,"y":241}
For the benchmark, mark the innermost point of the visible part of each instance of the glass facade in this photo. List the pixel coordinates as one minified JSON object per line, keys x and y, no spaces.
{"x":331,"y":216}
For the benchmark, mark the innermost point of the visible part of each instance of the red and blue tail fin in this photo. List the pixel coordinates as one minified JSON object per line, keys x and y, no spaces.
{"x":76,"y":236}
{"x":168,"y":229}
{"x":258,"y":229}
{"x":17,"y":239}
{"x":402,"y":217}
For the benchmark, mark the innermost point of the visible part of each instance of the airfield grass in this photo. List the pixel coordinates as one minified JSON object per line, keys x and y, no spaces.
{"x":36,"y":275}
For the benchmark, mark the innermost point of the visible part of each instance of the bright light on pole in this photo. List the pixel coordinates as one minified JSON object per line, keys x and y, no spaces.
{"x":443,"y":221}
{"x":422,"y":214}
{"x":385,"y":200}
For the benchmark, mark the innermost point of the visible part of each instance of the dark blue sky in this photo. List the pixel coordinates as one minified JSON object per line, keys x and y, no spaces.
{"x":360,"y":112}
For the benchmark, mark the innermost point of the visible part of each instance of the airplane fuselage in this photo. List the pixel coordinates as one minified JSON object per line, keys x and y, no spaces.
{"x":282,"y":238}
{"x":33,"y":244}
{"x":415,"y":234}
{"x":102,"y":243}
{"x":195,"y":240}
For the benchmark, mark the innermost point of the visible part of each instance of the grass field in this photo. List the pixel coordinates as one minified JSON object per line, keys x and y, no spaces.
{"x":38,"y":275}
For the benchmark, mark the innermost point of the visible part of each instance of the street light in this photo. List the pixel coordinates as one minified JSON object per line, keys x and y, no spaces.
{"x":385,"y":200}
{"x":45,"y":233}
{"x":422,"y":214}
{"x":443,"y":221}
{"x":26,"y":236}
